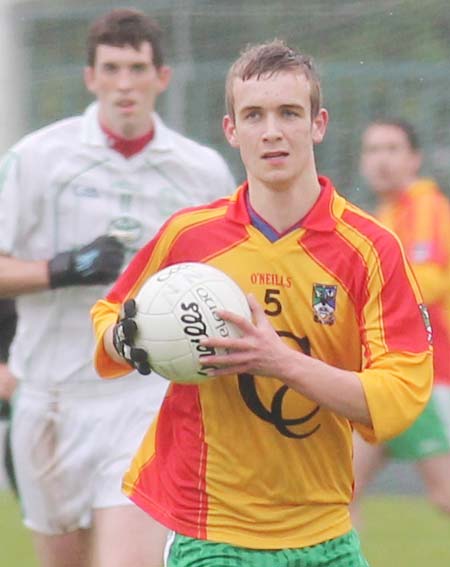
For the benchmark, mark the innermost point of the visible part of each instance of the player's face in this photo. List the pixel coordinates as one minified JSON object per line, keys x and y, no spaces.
{"x":273,"y":128}
{"x":126,"y":84}
{"x":388,"y":162}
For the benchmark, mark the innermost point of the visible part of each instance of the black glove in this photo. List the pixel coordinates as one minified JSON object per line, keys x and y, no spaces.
{"x":96,"y":263}
{"x":124,"y":333}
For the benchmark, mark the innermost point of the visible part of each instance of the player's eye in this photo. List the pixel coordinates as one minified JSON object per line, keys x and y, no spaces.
{"x":139,"y":68}
{"x":110,"y":68}
{"x":252,"y":115}
{"x":290,"y":113}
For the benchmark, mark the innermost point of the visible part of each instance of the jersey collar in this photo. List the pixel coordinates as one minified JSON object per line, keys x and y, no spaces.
{"x":322,"y":217}
{"x":93,"y":135}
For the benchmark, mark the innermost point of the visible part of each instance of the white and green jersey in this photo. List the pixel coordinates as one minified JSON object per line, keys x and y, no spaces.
{"x":63,"y":186}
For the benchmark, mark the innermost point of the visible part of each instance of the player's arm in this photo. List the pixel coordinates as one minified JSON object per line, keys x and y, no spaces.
{"x":395,"y":380}
{"x":98,"y":262}
{"x":8,"y":382}
{"x":109,"y":347}
{"x":113,"y":317}
{"x":16,"y":276}
{"x":19,"y":276}
{"x":116,"y":330}
{"x":397,"y":368}
{"x":262,"y":352}
{"x":108,"y":362}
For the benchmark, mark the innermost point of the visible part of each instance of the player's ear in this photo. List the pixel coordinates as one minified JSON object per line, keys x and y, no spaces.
{"x":164,"y":76}
{"x":89,"y":79}
{"x":229,"y":129}
{"x":319,"y":125}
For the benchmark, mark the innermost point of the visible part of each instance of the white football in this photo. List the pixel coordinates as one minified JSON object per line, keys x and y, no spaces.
{"x":176,"y":308}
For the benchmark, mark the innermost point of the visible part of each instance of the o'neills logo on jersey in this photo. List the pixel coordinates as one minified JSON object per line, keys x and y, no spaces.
{"x":267,"y":278}
{"x":324,"y":303}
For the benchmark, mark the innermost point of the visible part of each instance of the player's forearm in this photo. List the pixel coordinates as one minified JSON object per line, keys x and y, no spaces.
{"x":339,"y":390}
{"x":107,"y":361}
{"x":18,"y":276}
{"x":109,"y":346}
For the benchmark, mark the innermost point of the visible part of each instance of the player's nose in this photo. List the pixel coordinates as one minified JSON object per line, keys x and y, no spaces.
{"x":272,"y":130}
{"x":124,"y":80}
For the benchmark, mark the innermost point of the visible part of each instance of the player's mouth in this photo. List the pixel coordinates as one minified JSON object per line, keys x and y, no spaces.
{"x":275,"y":156}
{"x":126,"y":105}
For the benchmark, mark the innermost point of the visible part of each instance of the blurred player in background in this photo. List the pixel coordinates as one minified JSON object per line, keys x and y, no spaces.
{"x":8,"y":321}
{"x":77,"y":198}
{"x":254,"y":467}
{"x":417,"y":211}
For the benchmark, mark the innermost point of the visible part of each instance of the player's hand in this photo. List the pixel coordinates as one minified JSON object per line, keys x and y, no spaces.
{"x":258,"y":351}
{"x":8,"y":382}
{"x":99,"y":262}
{"x":124,"y":333}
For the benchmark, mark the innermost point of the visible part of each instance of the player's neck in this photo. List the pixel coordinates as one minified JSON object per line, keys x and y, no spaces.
{"x":128,"y":147}
{"x":281,"y":206}
{"x":127,"y":129}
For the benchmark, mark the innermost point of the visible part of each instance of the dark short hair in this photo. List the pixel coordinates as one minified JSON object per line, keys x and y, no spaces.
{"x":266,"y":59}
{"x":406,"y":127}
{"x":122,"y":27}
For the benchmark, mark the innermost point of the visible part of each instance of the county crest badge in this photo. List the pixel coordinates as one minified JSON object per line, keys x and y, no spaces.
{"x":324,"y":303}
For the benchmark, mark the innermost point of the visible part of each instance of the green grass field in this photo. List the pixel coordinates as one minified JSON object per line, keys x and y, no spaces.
{"x":399,"y":532}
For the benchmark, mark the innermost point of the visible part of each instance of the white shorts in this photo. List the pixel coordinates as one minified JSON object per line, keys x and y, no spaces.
{"x":71,"y":451}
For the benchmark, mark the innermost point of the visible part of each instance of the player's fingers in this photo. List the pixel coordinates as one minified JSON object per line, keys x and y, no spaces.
{"x":229,"y":359}
{"x":241,"y":322}
{"x":138,"y":355}
{"x":129,"y":308}
{"x":257,"y":311}
{"x":235,"y":344}
{"x":129,"y":330}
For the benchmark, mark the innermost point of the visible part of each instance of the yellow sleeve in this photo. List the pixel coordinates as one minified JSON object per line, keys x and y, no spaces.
{"x":397,"y":388}
{"x":397,"y":370}
{"x":104,"y":314}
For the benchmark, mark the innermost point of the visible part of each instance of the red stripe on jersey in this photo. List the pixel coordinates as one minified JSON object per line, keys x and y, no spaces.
{"x":344,"y":263}
{"x":399,"y":305}
{"x":201,"y":242}
{"x":127,"y":281}
{"x":202,"y":248}
{"x":175,"y":477}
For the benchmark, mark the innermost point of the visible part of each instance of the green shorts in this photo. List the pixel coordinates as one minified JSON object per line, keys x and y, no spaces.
{"x":343,"y":551}
{"x":427,"y":437}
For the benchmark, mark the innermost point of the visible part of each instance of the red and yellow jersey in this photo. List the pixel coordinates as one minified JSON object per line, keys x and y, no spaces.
{"x":421,"y":219}
{"x":244,"y":459}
